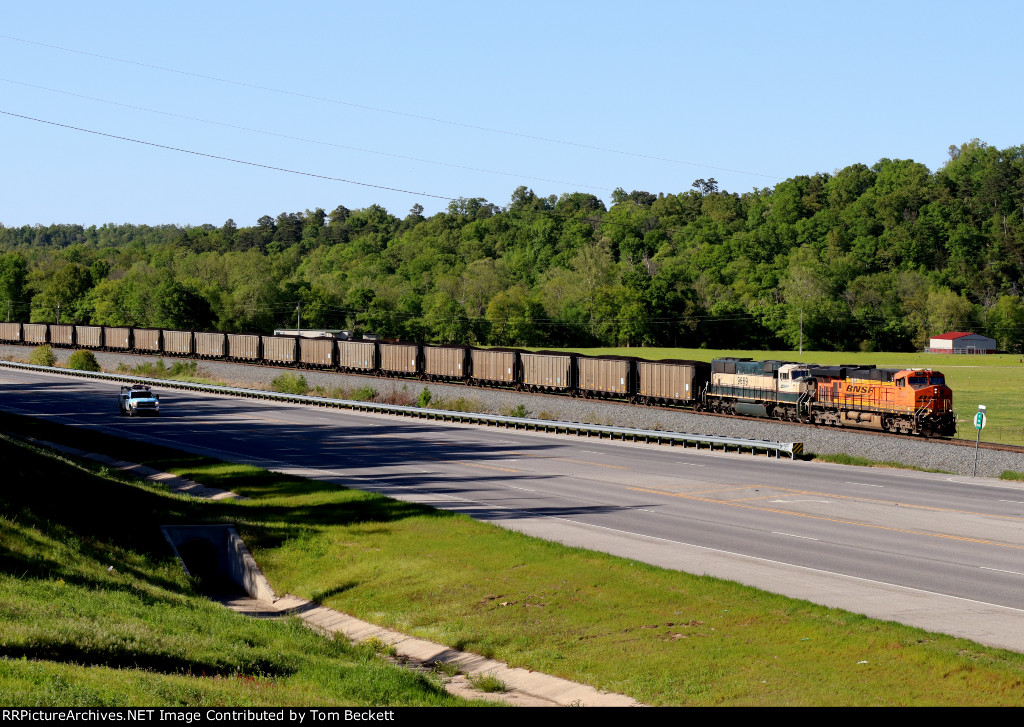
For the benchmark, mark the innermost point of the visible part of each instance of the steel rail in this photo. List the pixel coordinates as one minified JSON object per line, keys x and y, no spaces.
{"x":545,"y":425}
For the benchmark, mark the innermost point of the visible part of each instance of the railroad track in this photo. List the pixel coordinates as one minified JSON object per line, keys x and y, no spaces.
{"x":994,"y":446}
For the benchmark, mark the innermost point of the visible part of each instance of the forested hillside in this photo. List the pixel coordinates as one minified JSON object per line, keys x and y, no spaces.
{"x":871,"y":258}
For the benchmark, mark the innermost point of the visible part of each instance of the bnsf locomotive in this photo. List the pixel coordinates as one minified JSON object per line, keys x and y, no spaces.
{"x":891,"y":400}
{"x":911,"y":401}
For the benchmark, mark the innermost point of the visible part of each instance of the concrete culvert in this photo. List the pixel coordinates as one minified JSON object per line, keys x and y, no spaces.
{"x":218,"y":559}
{"x":202,"y":560}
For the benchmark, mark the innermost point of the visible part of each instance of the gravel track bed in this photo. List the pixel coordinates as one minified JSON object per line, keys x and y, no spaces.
{"x":905,"y":450}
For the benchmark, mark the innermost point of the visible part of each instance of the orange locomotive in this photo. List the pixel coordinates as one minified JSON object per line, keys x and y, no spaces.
{"x":907,"y":401}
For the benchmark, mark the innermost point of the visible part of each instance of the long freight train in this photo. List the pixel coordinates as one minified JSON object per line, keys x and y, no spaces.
{"x":904,"y":401}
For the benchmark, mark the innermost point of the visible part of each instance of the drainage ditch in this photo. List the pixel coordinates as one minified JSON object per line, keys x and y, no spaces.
{"x":217,"y":558}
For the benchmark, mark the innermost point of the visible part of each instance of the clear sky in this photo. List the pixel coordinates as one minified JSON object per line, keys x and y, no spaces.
{"x":471,"y":99}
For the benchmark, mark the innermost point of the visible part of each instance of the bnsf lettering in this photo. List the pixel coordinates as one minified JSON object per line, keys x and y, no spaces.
{"x":859,"y":389}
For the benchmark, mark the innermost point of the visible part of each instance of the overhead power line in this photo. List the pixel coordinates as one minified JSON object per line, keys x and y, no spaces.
{"x":394,"y":112}
{"x":302,"y":139}
{"x":227,"y":159}
{"x":448,"y":198}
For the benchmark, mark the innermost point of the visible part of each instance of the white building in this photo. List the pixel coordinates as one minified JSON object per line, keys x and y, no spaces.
{"x":959,"y":342}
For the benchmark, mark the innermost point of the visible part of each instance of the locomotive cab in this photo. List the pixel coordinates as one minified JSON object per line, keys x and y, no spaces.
{"x":905,"y":401}
{"x":795,"y":375}
{"x":927,"y":402}
{"x":930,"y":393}
{"x":918,"y":380}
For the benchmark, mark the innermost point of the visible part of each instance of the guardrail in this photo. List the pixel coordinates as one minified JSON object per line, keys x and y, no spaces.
{"x":540,"y":425}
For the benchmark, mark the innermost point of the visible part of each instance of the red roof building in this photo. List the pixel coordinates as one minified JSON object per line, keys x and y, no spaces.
{"x":961,"y":342}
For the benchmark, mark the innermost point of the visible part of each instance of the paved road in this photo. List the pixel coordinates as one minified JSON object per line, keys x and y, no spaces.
{"x":942,"y":552}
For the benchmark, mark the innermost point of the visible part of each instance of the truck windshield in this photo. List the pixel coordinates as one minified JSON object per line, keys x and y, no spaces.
{"x":141,"y":395}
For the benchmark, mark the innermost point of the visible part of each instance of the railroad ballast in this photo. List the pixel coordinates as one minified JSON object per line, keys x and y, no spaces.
{"x":902,"y":401}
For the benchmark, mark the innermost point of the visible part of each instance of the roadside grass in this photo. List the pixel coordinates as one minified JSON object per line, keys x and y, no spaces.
{"x":993,"y":380}
{"x":289,"y":383}
{"x":95,"y":610}
{"x":661,"y":636}
{"x":178,"y":371}
{"x":857,"y":461}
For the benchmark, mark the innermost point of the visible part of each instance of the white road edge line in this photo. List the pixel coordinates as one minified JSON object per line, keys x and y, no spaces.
{"x":631,"y":534}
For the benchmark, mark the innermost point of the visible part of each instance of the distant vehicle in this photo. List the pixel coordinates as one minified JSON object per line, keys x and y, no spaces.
{"x":137,"y":400}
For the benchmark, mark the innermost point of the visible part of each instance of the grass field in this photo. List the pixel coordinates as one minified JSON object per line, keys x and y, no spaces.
{"x":997,"y":380}
{"x":663,"y":637}
{"x":95,"y":610}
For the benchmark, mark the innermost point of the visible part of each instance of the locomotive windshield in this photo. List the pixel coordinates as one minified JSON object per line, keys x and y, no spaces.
{"x":926,"y":380}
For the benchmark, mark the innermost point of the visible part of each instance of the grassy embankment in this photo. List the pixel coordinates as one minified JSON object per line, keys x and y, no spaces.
{"x":94,"y":610}
{"x":663,"y":637}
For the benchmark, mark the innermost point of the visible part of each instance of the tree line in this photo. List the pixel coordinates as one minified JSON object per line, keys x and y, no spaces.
{"x":867,"y":258}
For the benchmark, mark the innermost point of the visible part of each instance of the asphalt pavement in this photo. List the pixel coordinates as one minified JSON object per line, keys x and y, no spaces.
{"x":936,"y":551}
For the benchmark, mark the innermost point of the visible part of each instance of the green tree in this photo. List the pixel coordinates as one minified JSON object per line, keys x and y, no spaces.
{"x":947,"y":311}
{"x":445,"y":319}
{"x":60,"y":293}
{"x":179,"y":306}
{"x":1005,"y":323}
{"x":13,"y":273}
{"x":514,"y":316}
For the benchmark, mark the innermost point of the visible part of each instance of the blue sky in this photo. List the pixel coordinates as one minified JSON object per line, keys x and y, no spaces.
{"x":473,"y":99}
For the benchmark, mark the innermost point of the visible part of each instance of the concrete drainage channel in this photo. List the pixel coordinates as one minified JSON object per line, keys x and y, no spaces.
{"x":216,"y":556}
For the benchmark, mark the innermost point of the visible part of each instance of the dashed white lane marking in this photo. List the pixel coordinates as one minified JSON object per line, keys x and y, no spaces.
{"x":1000,"y":570}
{"x":791,"y":535}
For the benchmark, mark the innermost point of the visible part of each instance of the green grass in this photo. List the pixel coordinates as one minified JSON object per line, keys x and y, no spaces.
{"x":178,"y":371}
{"x":995,"y":380}
{"x":856,"y":461}
{"x":95,"y":610}
{"x":289,"y":383}
{"x":663,"y":637}
{"x":487,"y":683}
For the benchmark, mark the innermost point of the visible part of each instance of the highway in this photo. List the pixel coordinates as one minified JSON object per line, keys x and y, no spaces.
{"x":942,"y":552}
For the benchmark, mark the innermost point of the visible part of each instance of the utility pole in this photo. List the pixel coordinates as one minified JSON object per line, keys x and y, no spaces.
{"x":298,"y":317}
{"x":58,"y":311}
{"x":801,"y":331}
